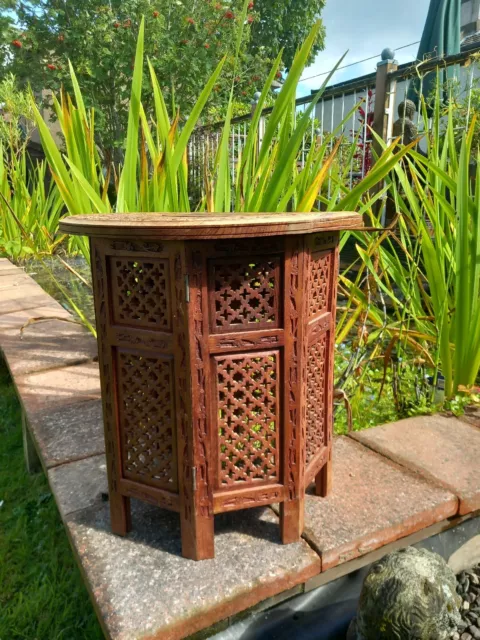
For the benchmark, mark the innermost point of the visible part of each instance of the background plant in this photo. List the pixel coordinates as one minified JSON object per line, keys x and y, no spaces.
{"x":416,"y":285}
{"x":154,"y":176}
{"x":185,"y":40}
{"x":16,"y":114}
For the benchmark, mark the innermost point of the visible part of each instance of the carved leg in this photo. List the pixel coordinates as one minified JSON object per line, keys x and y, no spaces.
{"x":323,"y":480}
{"x":291,"y":520}
{"x":198,"y":539}
{"x":120,"y":514}
{"x":32,"y":461}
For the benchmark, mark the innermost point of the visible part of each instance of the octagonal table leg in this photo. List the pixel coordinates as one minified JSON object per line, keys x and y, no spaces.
{"x":292,"y":520}
{"x":323,"y":480}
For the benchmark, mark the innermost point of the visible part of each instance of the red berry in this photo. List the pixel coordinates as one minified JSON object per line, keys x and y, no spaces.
{"x":184,"y":41}
{"x":51,"y":66}
{"x":250,"y":6}
{"x":156,"y":14}
{"x":116,"y":25}
{"x":229,"y":15}
{"x":250,"y":19}
{"x":190,"y":21}
{"x":17,"y":43}
{"x":206,"y":45}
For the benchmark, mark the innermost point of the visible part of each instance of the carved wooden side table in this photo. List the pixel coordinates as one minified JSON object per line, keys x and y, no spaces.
{"x":216,"y":345}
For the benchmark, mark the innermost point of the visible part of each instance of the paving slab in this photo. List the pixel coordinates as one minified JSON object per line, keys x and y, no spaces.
{"x":13,"y":278}
{"x":143,"y":588}
{"x":5,"y":263}
{"x":51,"y":390}
{"x":445,"y":450}
{"x":6,"y":266}
{"x":373,"y":503}
{"x":79,"y":485}
{"x":68,"y":433}
{"x":25,"y":296}
{"x":47,"y":345}
{"x":17,"y":319}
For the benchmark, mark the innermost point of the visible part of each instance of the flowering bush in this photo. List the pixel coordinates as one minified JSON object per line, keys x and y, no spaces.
{"x":184,"y":43}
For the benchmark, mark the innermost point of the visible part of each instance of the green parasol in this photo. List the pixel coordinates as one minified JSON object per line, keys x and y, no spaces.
{"x":441,"y":37}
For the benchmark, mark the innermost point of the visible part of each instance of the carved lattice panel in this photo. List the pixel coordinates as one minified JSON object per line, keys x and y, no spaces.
{"x":316,"y":396}
{"x":145,"y":389}
{"x":320,"y":282}
{"x":140,"y":292}
{"x":248,"y":403}
{"x":245,"y":293}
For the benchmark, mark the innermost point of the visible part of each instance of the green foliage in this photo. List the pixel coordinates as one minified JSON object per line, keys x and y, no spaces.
{"x":185,"y":40}
{"x":286,"y":25}
{"x":427,"y":268}
{"x":29,"y":209}
{"x":16,"y":120}
{"x":268,"y":178}
{"x":42,"y":594}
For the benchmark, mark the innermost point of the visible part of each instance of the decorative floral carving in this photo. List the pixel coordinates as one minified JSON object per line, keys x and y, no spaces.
{"x":137,"y":247}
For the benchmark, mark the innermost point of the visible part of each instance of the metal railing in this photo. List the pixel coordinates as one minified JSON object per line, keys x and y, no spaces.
{"x":355,"y":99}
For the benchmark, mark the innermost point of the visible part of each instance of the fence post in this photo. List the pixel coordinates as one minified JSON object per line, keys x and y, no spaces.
{"x":384,"y":106}
{"x":384,"y":96}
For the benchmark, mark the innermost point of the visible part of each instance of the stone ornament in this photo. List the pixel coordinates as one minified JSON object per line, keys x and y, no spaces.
{"x":404,"y":128}
{"x":407,"y":595}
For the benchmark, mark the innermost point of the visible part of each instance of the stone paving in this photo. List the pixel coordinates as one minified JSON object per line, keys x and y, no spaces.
{"x":389,"y":482}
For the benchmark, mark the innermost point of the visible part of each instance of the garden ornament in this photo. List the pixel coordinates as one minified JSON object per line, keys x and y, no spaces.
{"x":404,"y":128}
{"x":407,"y":595}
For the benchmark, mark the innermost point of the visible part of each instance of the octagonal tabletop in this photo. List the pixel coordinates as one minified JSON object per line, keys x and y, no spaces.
{"x":207,"y":226}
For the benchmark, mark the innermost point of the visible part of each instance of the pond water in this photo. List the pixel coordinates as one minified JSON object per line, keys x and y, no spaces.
{"x":63,"y":285}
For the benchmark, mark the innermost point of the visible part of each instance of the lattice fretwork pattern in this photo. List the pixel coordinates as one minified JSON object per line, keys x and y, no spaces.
{"x":316,"y":397}
{"x":247,"y":392}
{"x":140,"y":292}
{"x":147,"y":419}
{"x":246,"y":294}
{"x":320,"y":282}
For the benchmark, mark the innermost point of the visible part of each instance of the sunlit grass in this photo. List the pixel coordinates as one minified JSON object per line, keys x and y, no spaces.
{"x":42,"y":595}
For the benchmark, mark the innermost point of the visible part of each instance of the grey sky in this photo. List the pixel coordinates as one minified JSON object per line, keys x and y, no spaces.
{"x":365,"y":28}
